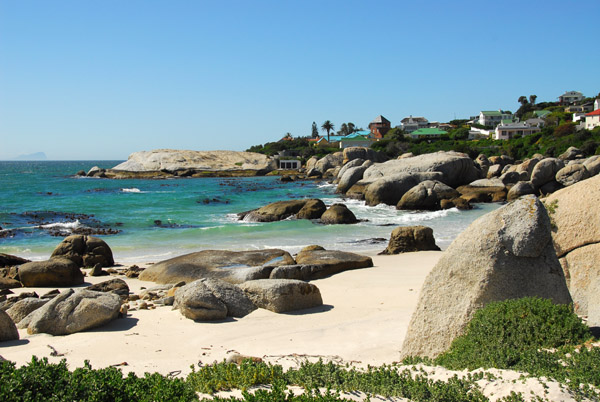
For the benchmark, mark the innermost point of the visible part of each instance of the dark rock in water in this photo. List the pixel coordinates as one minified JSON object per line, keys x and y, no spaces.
{"x":276,"y":211}
{"x":338,"y":214}
{"x":57,"y":271}
{"x":230,"y":266}
{"x":85,"y":251}
{"x":80,"y":173}
{"x":282,"y":295}
{"x":7,"y":260}
{"x":312,"y":209}
{"x":407,"y":239}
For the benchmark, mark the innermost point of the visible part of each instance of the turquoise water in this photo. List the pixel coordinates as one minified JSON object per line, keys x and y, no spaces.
{"x":159,"y":219}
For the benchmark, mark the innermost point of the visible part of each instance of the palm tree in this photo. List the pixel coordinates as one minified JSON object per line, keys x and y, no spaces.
{"x":532,"y":99}
{"x":351,"y":128}
{"x":327,"y":126}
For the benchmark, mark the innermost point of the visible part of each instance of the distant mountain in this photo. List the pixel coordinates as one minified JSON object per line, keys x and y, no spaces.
{"x":38,"y":156}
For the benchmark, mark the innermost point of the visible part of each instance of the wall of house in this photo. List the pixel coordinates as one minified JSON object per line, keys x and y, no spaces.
{"x":592,"y":122}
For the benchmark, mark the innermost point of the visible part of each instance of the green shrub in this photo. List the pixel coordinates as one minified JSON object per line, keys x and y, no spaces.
{"x":504,"y":334}
{"x":43,"y":381}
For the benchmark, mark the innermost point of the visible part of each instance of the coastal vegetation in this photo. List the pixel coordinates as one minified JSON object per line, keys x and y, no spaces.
{"x":531,"y":335}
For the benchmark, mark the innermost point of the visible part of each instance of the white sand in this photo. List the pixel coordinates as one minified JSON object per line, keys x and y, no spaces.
{"x":363,"y":321}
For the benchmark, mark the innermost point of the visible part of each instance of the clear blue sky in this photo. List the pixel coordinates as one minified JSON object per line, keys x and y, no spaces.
{"x":102,"y":79}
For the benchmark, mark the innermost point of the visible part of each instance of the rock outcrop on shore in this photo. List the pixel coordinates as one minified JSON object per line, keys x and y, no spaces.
{"x":505,"y":254}
{"x":300,"y":209}
{"x":162,"y":163}
{"x":576,"y":237}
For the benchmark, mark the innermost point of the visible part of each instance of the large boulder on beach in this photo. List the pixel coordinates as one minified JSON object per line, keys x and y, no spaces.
{"x":74,"y":311}
{"x":574,"y":211}
{"x":230,"y":266}
{"x":212,"y":299}
{"x":545,"y":171}
{"x":332,"y":261}
{"x":407,"y":239}
{"x":329,"y":161}
{"x":505,"y":254}
{"x":58,"y":271}
{"x":8,"y":329}
{"x":282,"y":295}
{"x":456,"y":168}
{"x":427,"y":196}
{"x":571,"y":174}
{"x":7,"y":260}
{"x":348,"y":165}
{"x":592,"y":164}
{"x":369,"y":154}
{"x":22,"y":308}
{"x":350,"y":177}
{"x":390,"y":189}
{"x":117,"y":286}
{"x":338,"y":214}
{"x":520,"y":189}
{"x":85,"y":251}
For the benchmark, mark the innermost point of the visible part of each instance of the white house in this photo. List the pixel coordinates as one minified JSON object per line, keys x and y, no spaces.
{"x":597,"y":104}
{"x":570,"y":97}
{"x":508,"y":131}
{"x":592,"y":120}
{"x":491,"y":118}
{"x":410,"y":124}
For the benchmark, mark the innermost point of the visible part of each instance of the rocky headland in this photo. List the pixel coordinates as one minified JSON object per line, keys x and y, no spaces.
{"x":164,"y":163}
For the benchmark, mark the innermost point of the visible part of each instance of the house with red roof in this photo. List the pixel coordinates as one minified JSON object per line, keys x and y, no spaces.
{"x":592,"y":119}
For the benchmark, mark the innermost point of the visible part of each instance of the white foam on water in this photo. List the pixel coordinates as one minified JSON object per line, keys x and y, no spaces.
{"x":131,"y":190}
{"x":62,"y":225}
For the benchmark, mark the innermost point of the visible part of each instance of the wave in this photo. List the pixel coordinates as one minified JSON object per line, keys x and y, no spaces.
{"x":131,"y":190}
{"x":62,"y":225}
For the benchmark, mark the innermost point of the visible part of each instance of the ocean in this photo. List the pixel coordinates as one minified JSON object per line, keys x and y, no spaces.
{"x":153,"y":220}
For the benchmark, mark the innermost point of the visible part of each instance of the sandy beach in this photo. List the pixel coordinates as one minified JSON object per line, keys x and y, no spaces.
{"x":363,"y":320}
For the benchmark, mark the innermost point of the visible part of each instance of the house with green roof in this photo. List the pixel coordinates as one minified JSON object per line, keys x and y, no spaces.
{"x":427,"y":133}
{"x":356,"y":140}
{"x":491,"y":118}
{"x":541,"y":114}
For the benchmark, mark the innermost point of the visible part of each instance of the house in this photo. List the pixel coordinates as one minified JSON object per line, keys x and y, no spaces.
{"x":592,"y":119}
{"x":427,"y":133}
{"x":289,"y":164}
{"x":588,"y":107}
{"x":579,"y":117}
{"x":410,"y":124}
{"x":536,"y":122}
{"x":570,"y":97}
{"x":508,"y":131}
{"x":597,"y":104}
{"x":379,"y":127}
{"x":491,"y":118}
{"x":356,"y":140}
{"x":541,"y":114}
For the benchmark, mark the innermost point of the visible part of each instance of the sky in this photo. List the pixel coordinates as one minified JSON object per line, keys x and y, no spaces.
{"x":90,"y":80}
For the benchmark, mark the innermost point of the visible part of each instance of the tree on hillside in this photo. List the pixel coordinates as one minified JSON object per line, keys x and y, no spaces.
{"x":532,"y":99}
{"x":522,"y":100}
{"x":315,"y":131}
{"x":327,"y":126}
